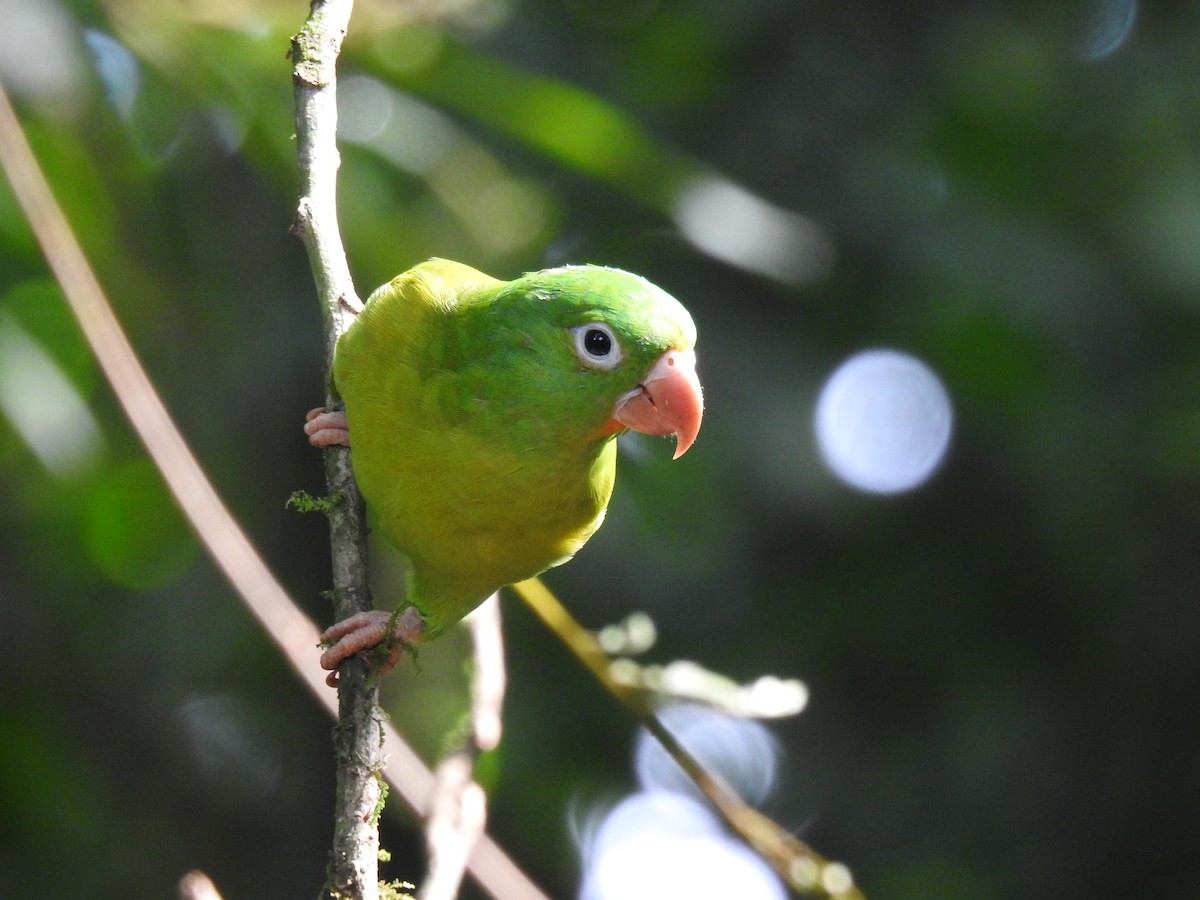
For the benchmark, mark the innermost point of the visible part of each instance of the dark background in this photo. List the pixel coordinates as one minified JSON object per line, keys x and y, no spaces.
{"x":1002,"y":663}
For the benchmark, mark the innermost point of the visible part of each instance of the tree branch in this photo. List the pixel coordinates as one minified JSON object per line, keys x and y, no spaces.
{"x":458,"y":809}
{"x":357,"y":747}
{"x":805,"y":870}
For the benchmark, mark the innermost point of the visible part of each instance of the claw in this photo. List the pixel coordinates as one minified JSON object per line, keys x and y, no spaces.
{"x":365,"y":630}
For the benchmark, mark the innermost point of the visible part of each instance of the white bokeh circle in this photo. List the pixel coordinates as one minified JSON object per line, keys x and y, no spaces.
{"x":883,"y":421}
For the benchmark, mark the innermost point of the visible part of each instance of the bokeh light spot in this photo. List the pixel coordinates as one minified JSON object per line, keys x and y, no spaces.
{"x":1108,"y":26}
{"x":656,"y":845}
{"x":736,"y":226}
{"x":43,"y":405}
{"x":883,"y":421}
{"x":118,"y":70}
{"x":742,"y":751}
{"x":364,"y":109}
{"x":38,"y":53}
{"x":225,"y":736}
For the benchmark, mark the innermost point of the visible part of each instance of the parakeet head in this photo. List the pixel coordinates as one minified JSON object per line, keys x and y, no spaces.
{"x":603,"y":349}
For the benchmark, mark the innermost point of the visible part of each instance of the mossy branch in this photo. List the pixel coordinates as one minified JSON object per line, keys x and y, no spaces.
{"x":353,"y":870}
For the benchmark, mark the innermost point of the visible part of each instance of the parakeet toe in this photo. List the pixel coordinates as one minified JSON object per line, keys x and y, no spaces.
{"x":326,"y":429}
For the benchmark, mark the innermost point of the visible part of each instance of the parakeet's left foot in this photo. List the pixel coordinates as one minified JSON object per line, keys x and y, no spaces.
{"x":365,"y":630}
{"x":325,"y":429}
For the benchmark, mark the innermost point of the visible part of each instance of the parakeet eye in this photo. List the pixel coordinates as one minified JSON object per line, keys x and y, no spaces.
{"x":596,"y":345}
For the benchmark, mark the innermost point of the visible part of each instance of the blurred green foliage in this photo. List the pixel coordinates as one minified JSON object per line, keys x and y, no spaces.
{"x":1001,"y":662}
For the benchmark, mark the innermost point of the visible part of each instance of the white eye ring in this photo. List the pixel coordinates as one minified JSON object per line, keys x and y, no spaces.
{"x":596,"y":345}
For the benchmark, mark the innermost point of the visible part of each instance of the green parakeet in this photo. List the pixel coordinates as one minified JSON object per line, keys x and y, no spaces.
{"x":484,"y":415}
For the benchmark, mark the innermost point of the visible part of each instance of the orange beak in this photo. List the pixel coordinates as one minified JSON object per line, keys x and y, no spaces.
{"x":668,"y":401}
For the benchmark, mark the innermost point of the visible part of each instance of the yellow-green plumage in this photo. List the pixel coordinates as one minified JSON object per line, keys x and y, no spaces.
{"x":482,"y":438}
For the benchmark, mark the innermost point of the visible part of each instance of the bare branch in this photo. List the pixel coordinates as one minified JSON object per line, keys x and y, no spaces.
{"x":803,"y":868}
{"x":457,"y":816}
{"x":314,"y":54}
{"x":488,"y":678}
{"x":458,"y":810}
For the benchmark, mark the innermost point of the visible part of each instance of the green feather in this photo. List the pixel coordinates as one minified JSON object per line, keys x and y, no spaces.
{"x":480,"y":439}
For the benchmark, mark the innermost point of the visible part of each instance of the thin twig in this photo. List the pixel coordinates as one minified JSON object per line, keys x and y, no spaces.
{"x":290,"y":629}
{"x":458,"y":809}
{"x":801,"y":866}
{"x":488,"y":678}
{"x":457,"y":817}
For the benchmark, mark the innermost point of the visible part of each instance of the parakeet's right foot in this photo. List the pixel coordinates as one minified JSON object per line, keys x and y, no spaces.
{"x":325,"y":429}
{"x":365,"y":630}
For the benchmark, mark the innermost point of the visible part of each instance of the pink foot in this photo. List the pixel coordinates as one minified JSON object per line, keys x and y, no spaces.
{"x":365,"y":630}
{"x":325,"y":429}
